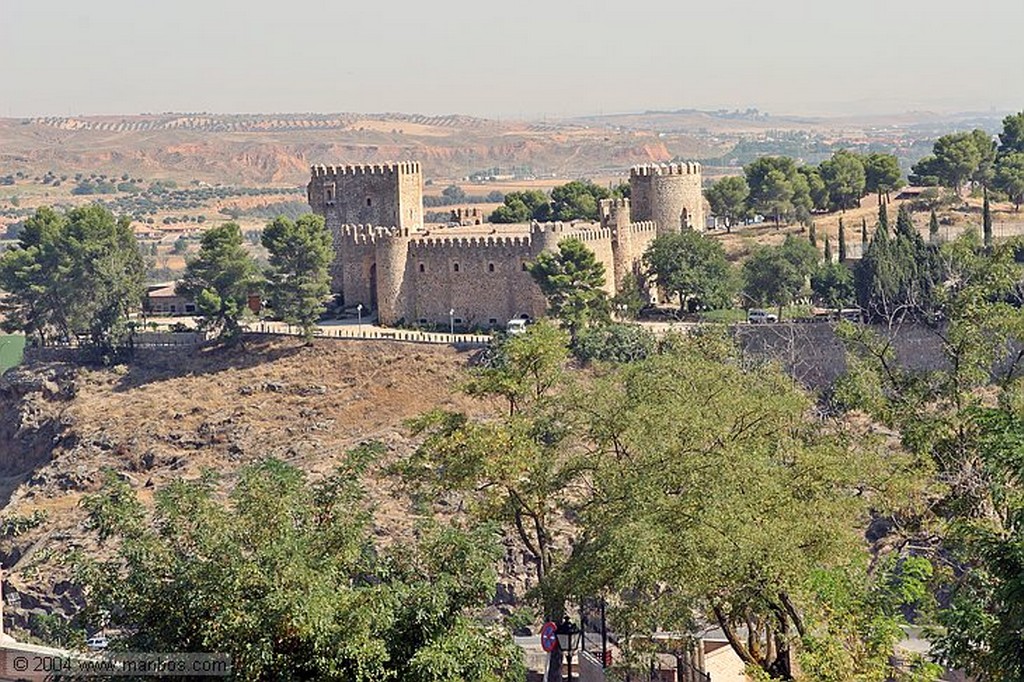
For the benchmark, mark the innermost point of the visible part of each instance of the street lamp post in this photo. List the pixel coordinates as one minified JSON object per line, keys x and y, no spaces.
{"x":569,"y":637}
{"x":451,"y":322}
{"x":359,"y":312}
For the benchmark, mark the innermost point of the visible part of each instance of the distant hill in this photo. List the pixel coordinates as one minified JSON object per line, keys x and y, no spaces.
{"x":279,"y":148}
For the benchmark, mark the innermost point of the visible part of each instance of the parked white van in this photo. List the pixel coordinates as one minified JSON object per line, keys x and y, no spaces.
{"x":758,"y":316}
{"x":517,"y":325}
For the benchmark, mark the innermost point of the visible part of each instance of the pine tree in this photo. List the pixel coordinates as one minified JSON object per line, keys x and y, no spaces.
{"x":883,"y":219}
{"x":828,"y":250}
{"x":842,"y":242}
{"x":813,"y":235}
{"x":933,"y":227}
{"x":905,"y":223}
{"x":986,"y":217}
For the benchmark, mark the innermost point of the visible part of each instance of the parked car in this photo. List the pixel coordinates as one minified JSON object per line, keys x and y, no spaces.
{"x":97,"y":642}
{"x":758,"y":316}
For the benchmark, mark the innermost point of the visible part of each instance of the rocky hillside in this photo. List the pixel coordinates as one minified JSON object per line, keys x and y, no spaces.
{"x":174,"y":416}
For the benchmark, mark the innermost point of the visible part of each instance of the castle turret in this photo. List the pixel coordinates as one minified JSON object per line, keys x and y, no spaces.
{"x":668,"y":194}
{"x":616,"y":216}
{"x":389,"y":271}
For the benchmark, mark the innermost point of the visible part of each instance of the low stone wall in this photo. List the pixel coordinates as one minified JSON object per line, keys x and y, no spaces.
{"x":814,"y":355}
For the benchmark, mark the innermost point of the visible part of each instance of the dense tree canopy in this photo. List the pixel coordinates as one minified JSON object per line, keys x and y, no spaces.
{"x":692,"y":267}
{"x":728,"y":199}
{"x":77,"y":273}
{"x":882,"y":174}
{"x":705,"y":474}
{"x":220,"y":278}
{"x":298,"y":279}
{"x":285,"y":576}
{"x":520,"y":207}
{"x":572,"y":280}
{"x":777,"y":275}
{"x":957,"y":159}
{"x":845,"y":178}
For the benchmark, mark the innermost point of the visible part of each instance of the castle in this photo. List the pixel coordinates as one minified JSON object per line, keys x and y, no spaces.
{"x":476,"y":275}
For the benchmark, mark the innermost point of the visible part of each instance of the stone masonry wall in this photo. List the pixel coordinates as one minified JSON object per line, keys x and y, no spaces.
{"x":388,"y":195}
{"x":483,"y":279}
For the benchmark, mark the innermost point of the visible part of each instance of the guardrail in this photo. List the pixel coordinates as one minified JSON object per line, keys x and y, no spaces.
{"x":376,"y":334}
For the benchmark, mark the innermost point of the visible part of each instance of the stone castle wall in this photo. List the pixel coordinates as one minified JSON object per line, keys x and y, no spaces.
{"x":483,"y":279}
{"x":385,"y":262}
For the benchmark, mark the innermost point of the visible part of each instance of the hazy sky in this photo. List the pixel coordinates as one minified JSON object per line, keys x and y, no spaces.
{"x":511,"y":58}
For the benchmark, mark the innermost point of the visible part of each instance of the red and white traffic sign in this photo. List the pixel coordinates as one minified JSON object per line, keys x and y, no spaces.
{"x":548,"y":638}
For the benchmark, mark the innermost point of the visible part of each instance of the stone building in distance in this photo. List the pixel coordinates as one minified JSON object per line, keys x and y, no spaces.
{"x":386,"y":259}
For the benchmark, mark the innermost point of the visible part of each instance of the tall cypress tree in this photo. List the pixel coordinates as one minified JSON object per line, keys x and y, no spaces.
{"x":905,"y":223}
{"x":842,"y":242}
{"x":813,"y":235}
{"x":864,"y":233}
{"x":883,"y":219}
{"x":933,"y":227}
{"x":986,"y":218}
{"x":828,"y":249}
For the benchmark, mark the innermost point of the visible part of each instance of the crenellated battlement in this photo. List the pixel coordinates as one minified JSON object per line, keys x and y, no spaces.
{"x":586,"y":233}
{"x":616,"y":202}
{"x":401,"y":168}
{"x":643,"y":227}
{"x":368,"y":234}
{"x":657,"y":169}
{"x":470,"y":242}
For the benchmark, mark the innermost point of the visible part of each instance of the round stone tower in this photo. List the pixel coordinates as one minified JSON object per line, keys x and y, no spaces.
{"x":389,"y":274}
{"x":668,"y":194}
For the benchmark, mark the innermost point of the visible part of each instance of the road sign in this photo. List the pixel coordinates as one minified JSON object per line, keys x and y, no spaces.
{"x":548,"y":638}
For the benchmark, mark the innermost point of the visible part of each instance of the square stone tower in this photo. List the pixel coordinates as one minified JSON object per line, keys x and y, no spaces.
{"x":382,"y":195}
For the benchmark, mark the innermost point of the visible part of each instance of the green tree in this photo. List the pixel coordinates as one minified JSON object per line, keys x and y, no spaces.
{"x":632,"y":296}
{"x":453,"y":194}
{"x":812,"y":235}
{"x":863,"y":234}
{"x":828,"y":250}
{"x":882,"y":174}
{"x":1011,"y":139}
{"x":180,"y":246}
{"x":692,"y":267}
{"x":513,"y":467}
{"x":845,"y":178}
{"x":771,"y":180}
{"x":520,"y":207}
{"x":576,"y":200}
{"x":933,"y":227}
{"x":832,"y":285}
{"x":705,"y":473}
{"x":1009,"y":177}
{"x":842,"y":242}
{"x":728,"y":199}
{"x":220,"y":278}
{"x":572,"y":280}
{"x":78,"y":273}
{"x":897,"y":275}
{"x":286,"y":577}
{"x":776,"y":275}
{"x":956,"y":159}
{"x":963,"y":420}
{"x":986,"y":221}
{"x":298,"y":278}
{"x":883,"y":220}
{"x":816,"y":188}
